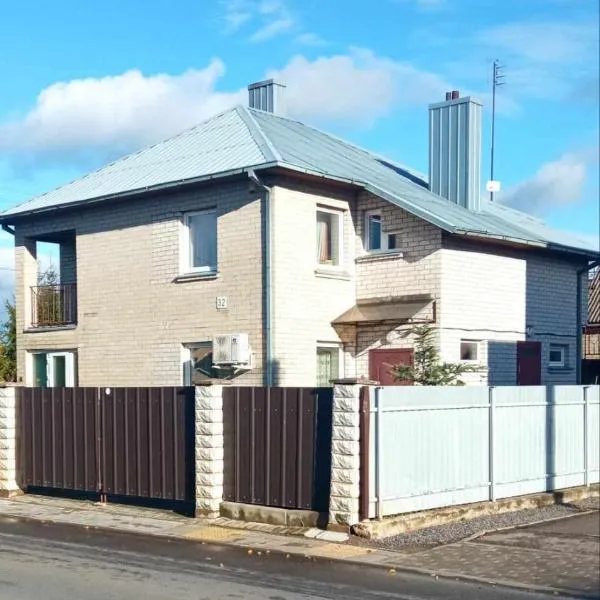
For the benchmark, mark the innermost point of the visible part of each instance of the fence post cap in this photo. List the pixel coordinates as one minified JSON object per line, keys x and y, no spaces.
{"x":209,"y":382}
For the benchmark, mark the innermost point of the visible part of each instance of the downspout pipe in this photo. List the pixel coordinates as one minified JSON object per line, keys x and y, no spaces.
{"x":268,"y":302}
{"x":579,"y":319}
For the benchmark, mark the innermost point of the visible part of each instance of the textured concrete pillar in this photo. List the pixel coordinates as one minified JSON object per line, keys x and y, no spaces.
{"x":345,"y":460}
{"x":209,"y":449}
{"x":8,"y":443}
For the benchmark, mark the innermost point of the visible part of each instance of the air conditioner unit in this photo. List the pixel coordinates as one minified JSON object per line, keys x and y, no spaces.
{"x":231,"y":349}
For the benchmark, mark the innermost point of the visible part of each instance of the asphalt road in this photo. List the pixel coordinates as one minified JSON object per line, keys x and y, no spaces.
{"x":55,"y":562}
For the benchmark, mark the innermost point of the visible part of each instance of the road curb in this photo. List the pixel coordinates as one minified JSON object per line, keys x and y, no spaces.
{"x":386,"y":564}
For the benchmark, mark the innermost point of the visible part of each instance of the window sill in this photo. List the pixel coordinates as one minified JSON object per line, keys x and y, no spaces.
{"x":48,"y":329}
{"x":332,"y":273}
{"x":184,"y":277}
{"x":378,"y":256}
{"x":558,"y":369}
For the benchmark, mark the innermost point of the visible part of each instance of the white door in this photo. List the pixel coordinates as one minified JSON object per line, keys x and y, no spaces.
{"x":60,"y":369}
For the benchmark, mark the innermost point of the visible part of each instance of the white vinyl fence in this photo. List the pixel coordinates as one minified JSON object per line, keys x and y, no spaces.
{"x":432,"y":447}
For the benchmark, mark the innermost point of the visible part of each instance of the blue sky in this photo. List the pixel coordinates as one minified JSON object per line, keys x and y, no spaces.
{"x":87,"y":82}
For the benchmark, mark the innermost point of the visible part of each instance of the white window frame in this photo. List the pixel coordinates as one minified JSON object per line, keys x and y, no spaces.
{"x":477,"y":351}
{"x":70,"y":367}
{"x":340,"y":218}
{"x":186,"y":245}
{"x":385,"y":242}
{"x":186,"y":359}
{"x":563,"y":352}
{"x":340,"y":351}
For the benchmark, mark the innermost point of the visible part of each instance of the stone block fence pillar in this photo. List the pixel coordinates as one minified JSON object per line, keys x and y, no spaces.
{"x":209,"y":449}
{"x":345,"y":459}
{"x":8,"y":443}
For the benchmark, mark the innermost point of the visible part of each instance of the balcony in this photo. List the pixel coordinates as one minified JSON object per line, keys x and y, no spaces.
{"x":53,"y":305}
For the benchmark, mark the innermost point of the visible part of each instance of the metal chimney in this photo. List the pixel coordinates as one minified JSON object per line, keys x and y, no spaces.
{"x":267,"y":95}
{"x":455,"y":150}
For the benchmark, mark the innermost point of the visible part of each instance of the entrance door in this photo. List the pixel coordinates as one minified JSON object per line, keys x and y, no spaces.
{"x":529,"y":363}
{"x":381,"y":362}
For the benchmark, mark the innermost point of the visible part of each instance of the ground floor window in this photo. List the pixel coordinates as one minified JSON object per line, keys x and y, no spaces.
{"x":328,"y":365}
{"x":52,"y":369}
{"x":198,"y":363}
{"x":557,"y":356}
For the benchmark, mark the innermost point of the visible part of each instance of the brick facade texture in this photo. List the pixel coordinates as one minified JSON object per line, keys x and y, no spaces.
{"x":133,"y":318}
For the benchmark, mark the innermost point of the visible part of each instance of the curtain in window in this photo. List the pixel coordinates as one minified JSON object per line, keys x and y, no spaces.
{"x":327,"y":366}
{"x":203,"y":240}
{"x":323,"y":238}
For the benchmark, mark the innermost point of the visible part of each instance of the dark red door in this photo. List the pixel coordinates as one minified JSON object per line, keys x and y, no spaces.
{"x":381,"y":362}
{"x":529,"y":363}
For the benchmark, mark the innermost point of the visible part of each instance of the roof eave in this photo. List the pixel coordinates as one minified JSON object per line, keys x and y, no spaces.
{"x":9,"y":219}
{"x":524,"y":242}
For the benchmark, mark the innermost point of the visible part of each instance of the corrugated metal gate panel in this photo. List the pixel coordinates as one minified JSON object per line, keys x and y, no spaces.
{"x":119,"y":441}
{"x":58,"y":445}
{"x":278,"y":446}
{"x":147,"y":449}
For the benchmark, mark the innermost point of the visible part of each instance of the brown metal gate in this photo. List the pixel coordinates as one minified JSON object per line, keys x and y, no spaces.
{"x":117,"y":441}
{"x":278,"y":446}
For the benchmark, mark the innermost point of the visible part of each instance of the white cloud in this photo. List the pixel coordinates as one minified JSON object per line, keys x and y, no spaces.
{"x":236,"y":13}
{"x":310,"y":39}
{"x":120,"y":113}
{"x":270,"y":18}
{"x":355,"y":87}
{"x":550,"y":42}
{"x":549,"y":60}
{"x":556,"y":183}
{"x":117,"y":113}
{"x":273,"y":29}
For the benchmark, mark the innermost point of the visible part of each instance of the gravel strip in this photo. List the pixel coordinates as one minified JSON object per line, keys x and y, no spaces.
{"x":454,"y":532}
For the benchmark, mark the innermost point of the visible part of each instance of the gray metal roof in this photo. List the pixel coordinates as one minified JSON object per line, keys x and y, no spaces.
{"x":243,"y":138}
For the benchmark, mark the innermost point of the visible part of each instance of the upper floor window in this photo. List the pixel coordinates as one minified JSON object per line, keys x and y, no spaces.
{"x":375,"y":239}
{"x":329,"y":237}
{"x":200,"y":252}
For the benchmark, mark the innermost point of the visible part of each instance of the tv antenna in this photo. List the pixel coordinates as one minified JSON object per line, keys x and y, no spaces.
{"x":497,"y":81}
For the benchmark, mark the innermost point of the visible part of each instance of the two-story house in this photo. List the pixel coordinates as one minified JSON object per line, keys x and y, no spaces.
{"x":256,"y":248}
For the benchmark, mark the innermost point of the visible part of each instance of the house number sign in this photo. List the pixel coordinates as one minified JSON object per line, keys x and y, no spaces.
{"x":221,"y":302}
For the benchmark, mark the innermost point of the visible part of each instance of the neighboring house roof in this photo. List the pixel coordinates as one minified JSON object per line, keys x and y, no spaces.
{"x":241,"y":139}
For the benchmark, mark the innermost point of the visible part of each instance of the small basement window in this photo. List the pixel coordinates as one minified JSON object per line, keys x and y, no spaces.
{"x":329,"y":237}
{"x":469,"y":350}
{"x":557,"y":356}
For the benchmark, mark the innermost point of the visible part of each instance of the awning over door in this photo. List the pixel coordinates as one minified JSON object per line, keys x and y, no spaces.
{"x":397,"y":309}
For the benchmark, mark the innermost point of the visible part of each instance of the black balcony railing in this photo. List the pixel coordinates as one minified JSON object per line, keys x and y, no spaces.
{"x":54,"y":305}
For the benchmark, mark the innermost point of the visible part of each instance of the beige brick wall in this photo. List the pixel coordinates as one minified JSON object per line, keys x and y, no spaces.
{"x":492,"y":295}
{"x":132,"y":317}
{"x":483,"y":300}
{"x":415,"y":271}
{"x":307,"y":298}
